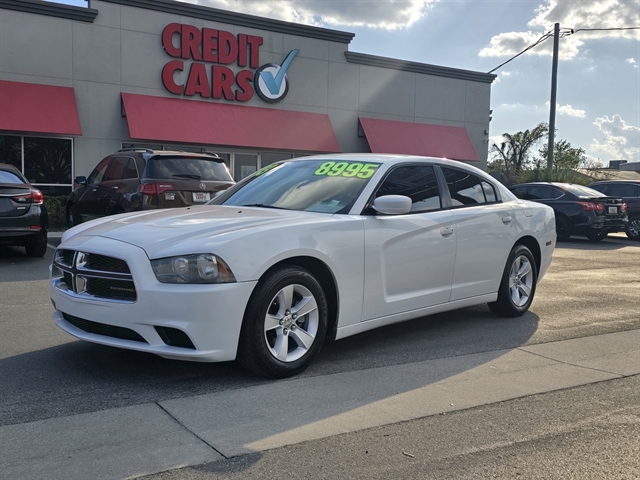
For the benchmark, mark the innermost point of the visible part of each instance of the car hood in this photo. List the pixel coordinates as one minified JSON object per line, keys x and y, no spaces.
{"x":157,"y":231}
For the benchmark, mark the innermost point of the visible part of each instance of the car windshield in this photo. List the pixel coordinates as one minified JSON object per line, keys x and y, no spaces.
{"x":581,"y":191}
{"x":322,"y":186}
{"x":189,"y":168}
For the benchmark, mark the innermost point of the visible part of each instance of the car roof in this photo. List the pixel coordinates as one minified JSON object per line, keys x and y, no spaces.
{"x":637,"y":182}
{"x":149,"y":153}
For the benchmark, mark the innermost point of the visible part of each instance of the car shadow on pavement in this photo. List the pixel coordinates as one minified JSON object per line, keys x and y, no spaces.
{"x":29,"y":268}
{"x":609,"y":243}
{"x":80,"y":377}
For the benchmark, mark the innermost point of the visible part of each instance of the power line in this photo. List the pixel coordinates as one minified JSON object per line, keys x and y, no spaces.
{"x":539,"y":41}
{"x":564,"y":33}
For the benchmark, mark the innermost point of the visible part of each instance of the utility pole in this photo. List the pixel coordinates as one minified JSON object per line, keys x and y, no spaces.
{"x":554,"y":84}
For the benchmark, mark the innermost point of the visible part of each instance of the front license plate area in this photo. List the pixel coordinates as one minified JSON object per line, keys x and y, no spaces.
{"x":201,"y":197}
{"x":613,"y":210}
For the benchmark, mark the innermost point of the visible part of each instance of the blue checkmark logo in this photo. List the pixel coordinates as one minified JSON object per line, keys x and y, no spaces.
{"x":272,"y":81}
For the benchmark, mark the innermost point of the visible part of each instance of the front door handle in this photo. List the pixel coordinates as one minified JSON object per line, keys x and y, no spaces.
{"x":506,"y":220}
{"x":446,"y":231}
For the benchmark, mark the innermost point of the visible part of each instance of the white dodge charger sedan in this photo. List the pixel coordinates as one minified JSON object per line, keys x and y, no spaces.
{"x":301,"y":251}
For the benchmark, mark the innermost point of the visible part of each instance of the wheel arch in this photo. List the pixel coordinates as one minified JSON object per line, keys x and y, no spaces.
{"x":325,"y":277}
{"x":534,"y":247}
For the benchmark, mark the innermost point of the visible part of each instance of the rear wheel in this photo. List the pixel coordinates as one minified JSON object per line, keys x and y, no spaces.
{"x":284,"y":324}
{"x":633,"y":229}
{"x":39,"y":247}
{"x":596,"y":237}
{"x":563,"y":232}
{"x":518,"y":285}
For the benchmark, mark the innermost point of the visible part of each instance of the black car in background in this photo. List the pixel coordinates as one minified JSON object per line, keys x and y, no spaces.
{"x":579,"y":210}
{"x":629,"y":191}
{"x":23,"y":216}
{"x":142,"y":179}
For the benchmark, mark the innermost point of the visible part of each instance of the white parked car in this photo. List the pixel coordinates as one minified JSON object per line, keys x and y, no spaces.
{"x":302,"y":250}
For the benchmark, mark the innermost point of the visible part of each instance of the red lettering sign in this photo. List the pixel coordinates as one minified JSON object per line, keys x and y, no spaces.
{"x":186,"y":42}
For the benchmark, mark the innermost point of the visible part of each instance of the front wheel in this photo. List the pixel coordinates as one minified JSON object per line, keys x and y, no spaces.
{"x":73,"y":218}
{"x":518,"y":285}
{"x":633,"y":229}
{"x":284,"y":325}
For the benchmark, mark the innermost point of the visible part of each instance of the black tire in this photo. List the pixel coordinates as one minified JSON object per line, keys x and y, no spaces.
{"x":596,"y":237}
{"x":633,"y":229}
{"x":257,"y":346}
{"x":73,"y":218}
{"x":505,"y":305}
{"x":39,"y":247}
{"x":563,"y":231}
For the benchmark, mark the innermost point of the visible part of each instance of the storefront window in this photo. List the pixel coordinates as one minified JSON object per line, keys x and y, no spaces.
{"x":244,"y":165}
{"x":46,"y":162}
{"x":267,"y":158}
{"x":11,"y":150}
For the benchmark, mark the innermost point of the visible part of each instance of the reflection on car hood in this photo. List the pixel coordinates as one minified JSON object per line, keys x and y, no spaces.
{"x":156,"y":230}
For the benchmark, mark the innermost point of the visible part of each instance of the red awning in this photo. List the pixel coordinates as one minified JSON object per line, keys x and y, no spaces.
{"x":190,"y":121}
{"x":388,"y":136}
{"x":32,"y":107}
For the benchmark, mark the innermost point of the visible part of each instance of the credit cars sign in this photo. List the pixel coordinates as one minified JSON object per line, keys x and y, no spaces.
{"x":219,"y":48}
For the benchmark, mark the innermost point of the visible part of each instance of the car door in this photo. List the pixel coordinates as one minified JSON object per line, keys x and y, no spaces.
{"x":409,"y":259}
{"x":485,"y":231}
{"x":89,"y":195}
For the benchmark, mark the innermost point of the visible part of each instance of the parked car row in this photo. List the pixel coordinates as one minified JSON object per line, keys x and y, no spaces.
{"x":23,"y":216}
{"x":579,"y":210}
{"x":142,"y":179}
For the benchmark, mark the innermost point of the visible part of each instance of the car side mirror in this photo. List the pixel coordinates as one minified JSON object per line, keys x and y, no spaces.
{"x":81,"y":180}
{"x":392,"y":204}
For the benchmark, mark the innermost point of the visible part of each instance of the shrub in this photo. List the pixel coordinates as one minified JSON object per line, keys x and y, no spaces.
{"x":56,"y":208}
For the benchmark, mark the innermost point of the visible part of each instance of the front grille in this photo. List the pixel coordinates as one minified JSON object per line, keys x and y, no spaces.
{"x":93,"y":275}
{"x":65,"y":256}
{"x":106,"y":264}
{"x":109,"y":288}
{"x":103,"y":329}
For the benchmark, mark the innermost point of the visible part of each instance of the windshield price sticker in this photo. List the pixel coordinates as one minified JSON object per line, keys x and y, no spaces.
{"x":347,"y":169}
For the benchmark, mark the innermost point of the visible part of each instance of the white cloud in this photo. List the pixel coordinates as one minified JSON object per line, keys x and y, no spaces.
{"x":632,"y":62}
{"x":570,"y":15}
{"x":620,"y":140}
{"x":568,"y":110}
{"x":387,"y":14}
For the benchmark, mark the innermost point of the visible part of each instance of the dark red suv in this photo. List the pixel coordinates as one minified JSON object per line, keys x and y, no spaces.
{"x":629,"y":191}
{"x":140,"y":179}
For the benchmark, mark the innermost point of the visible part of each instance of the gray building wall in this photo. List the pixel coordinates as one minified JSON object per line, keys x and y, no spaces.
{"x":121,"y":51}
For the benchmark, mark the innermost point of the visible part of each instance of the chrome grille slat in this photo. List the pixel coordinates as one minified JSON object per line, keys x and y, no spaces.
{"x":94,"y":276}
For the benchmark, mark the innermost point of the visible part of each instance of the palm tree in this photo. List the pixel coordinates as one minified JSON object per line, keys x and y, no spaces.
{"x":512,"y":154}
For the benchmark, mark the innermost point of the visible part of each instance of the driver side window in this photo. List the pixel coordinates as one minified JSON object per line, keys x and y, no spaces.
{"x":97,"y":175}
{"x":416,"y":182}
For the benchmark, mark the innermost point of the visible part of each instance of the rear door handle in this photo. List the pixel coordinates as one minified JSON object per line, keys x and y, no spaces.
{"x":506,"y":220}
{"x":446,"y":231}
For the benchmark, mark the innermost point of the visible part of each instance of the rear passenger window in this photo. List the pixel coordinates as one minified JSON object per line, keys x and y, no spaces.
{"x":537,"y":192}
{"x":489,"y":192}
{"x":416,"y":182}
{"x":520,"y":192}
{"x":465,"y":188}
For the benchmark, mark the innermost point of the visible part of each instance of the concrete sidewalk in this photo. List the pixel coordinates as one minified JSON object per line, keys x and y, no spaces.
{"x":154,"y":437}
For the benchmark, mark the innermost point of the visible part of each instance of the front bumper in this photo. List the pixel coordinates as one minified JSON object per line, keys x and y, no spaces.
{"x":210,"y":315}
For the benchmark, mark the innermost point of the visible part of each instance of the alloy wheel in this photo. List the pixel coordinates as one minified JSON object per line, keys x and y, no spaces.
{"x":291,"y":323}
{"x":520,"y":281}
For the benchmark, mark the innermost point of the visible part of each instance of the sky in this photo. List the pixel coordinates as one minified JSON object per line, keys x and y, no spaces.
{"x":598,"y":96}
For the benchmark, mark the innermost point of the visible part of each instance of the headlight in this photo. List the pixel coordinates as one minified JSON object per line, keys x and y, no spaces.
{"x":197,"y":268}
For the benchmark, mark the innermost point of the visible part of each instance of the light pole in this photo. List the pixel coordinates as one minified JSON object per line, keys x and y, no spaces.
{"x":554,"y":84}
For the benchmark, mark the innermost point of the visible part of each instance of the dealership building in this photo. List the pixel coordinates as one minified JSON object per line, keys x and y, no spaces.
{"x":77,"y":84}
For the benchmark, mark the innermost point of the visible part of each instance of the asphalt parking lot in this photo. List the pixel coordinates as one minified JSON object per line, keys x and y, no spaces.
{"x":590,"y":295}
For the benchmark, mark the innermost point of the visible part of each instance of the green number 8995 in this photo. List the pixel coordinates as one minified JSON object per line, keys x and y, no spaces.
{"x":347,"y":169}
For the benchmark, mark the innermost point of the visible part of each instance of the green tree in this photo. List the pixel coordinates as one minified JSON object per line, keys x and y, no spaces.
{"x":565,"y":157}
{"x":513,"y":155}
{"x":564,"y":168}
